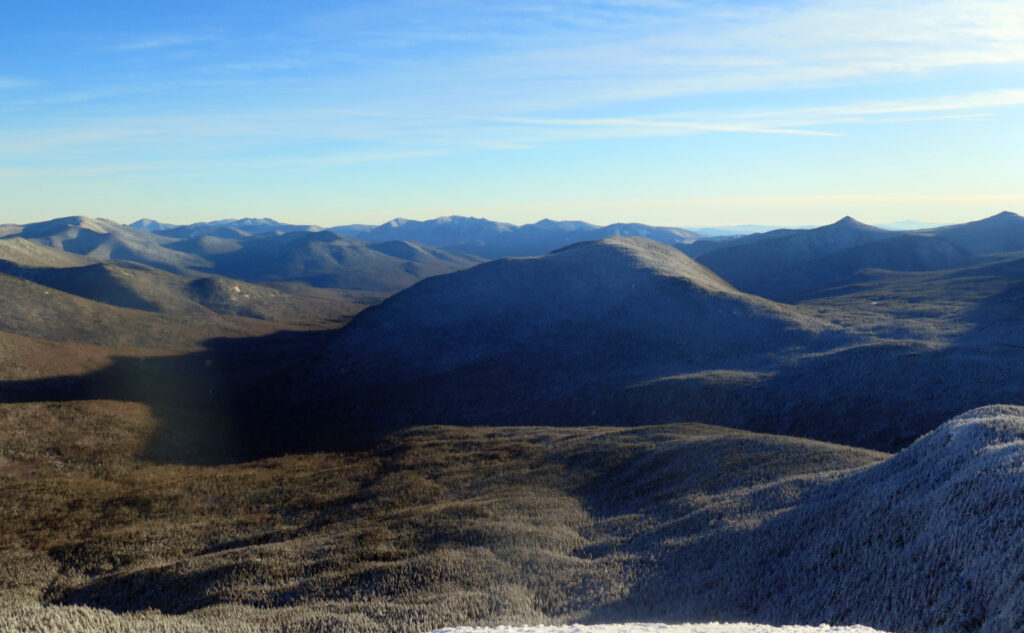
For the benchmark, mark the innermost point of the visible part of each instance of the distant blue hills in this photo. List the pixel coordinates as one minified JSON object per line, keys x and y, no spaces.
{"x":472,"y":236}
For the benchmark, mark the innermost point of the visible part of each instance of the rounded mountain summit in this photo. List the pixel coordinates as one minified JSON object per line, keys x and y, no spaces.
{"x":529,"y":340}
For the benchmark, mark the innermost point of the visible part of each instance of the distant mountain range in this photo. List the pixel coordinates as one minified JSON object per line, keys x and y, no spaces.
{"x":493,"y":240}
{"x":107,"y":240}
{"x":251,"y":226}
{"x":751,"y":255}
{"x":98,"y":281}
{"x":473,"y":236}
{"x":781,"y":264}
{"x":250,"y":250}
{"x":787,"y":263}
{"x":753,"y":261}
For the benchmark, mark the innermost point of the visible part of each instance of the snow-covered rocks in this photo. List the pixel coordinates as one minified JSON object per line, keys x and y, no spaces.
{"x":713,"y":627}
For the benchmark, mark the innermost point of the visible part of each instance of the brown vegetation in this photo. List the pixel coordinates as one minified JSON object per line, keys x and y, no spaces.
{"x":435,"y":527}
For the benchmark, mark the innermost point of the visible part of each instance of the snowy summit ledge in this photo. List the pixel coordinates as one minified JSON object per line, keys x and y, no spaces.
{"x":713,"y":627}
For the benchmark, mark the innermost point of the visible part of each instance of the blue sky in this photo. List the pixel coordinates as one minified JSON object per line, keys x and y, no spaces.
{"x":674,"y":113}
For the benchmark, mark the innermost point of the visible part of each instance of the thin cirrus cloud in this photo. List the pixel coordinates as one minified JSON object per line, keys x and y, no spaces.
{"x":415,"y":136}
{"x":414,"y":80}
{"x":565,"y":54}
{"x":421,"y":136}
{"x":945,"y":103}
{"x":797,"y":120}
{"x":537,"y":58}
{"x":199,"y":168}
{"x":654,"y":126}
{"x":969,"y":105}
{"x":162,"y":41}
{"x":711,"y":49}
{"x":14,"y":82}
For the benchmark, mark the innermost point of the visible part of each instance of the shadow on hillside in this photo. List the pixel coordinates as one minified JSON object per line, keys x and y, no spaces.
{"x":238,"y":399}
{"x":177,"y":593}
{"x":880,"y":396}
{"x":875,"y":394}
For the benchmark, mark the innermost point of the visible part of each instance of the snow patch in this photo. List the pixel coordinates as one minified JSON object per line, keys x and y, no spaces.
{"x":712,"y":627}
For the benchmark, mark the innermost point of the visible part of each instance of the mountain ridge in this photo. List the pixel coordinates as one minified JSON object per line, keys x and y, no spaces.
{"x":751,"y":262}
{"x":253,"y":250}
{"x":106,"y":239}
{"x":499,"y":341}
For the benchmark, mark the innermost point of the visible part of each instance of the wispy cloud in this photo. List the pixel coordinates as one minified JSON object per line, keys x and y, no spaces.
{"x":15,"y":82}
{"x":322,"y":136}
{"x":707,"y":49}
{"x":264,"y":65}
{"x":11,"y":174}
{"x":957,"y":106}
{"x":203,"y":165}
{"x":655,"y":126}
{"x":36,"y":141}
{"x":943,"y":103}
{"x":538,"y":59}
{"x":414,"y":79}
{"x":915,"y":119}
{"x":162,"y":41}
{"x":336,"y":131}
{"x":426,"y":135}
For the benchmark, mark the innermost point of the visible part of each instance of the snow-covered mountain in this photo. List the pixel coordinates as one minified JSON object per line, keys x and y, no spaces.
{"x":493,"y":240}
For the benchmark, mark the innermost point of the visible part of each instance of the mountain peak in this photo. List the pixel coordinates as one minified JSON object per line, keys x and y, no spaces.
{"x":253,"y":222}
{"x":71,"y":222}
{"x":851,"y":222}
{"x":641,"y":253}
{"x":1005,"y":216}
{"x":148,"y":224}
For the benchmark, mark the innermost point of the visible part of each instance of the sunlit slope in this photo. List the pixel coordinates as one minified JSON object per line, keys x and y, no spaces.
{"x":108,"y":240}
{"x":928,"y":540}
{"x":21,"y":252}
{"x":36,"y":310}
{"x":448,"y":526}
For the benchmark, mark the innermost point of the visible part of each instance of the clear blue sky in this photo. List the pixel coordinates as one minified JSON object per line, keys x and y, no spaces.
{"x":675,"y":113}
